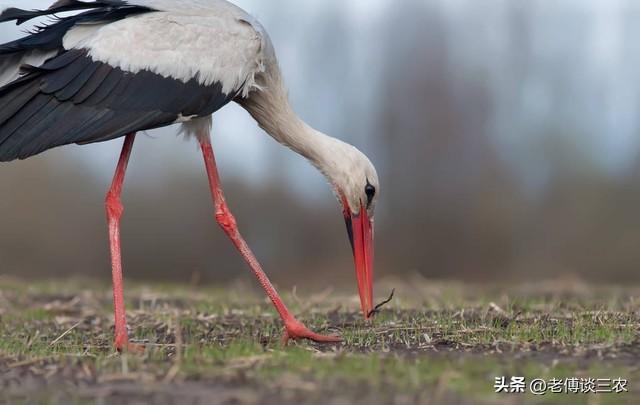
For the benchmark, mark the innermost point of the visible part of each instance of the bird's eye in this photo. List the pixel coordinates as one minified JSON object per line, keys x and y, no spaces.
{"x":370,"y":191}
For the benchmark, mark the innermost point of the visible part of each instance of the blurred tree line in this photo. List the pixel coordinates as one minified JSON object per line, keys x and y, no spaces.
{"x":491,"y":124}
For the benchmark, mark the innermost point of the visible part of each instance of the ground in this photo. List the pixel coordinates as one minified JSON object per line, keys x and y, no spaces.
{"x":434,"y":343}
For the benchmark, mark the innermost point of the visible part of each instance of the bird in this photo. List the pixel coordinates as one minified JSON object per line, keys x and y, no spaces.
{"x":109,"y":69}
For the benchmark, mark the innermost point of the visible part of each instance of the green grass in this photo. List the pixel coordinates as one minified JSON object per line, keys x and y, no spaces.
{"x":446,"y":346}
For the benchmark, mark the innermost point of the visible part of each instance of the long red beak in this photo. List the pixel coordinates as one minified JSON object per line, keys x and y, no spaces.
{"x":360,"y":228}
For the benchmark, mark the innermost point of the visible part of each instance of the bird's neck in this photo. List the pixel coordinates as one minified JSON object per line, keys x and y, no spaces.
{"x":270,"y":107}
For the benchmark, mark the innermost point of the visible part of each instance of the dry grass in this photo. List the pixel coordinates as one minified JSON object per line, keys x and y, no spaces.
{"x":435,"y":342}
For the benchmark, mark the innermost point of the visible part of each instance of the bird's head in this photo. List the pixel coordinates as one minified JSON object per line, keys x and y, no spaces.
{"x":349,"y":171}
{"x":356,"y":185}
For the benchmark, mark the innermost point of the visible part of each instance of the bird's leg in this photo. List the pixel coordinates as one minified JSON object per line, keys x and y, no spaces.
{"x":114,"y":213}
{"x":294,"y":329}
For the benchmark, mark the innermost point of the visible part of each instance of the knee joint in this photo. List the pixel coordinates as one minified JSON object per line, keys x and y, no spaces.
{"x":225,"y":219}
{"x":114,"y":206}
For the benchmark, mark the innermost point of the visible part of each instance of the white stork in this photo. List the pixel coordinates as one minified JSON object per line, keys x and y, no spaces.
{"x":117,"y":67}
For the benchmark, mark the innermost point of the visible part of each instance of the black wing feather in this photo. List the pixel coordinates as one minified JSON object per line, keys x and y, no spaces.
{"x":93,"y":84}
{"x":21,"y":16}
{"x":57,"y":80}
{"x":27,"y":134}
{"x":14,"y":101}
{"x":24,"y":116}
{"x":77,"y":83}
{"x":105,"y":88}
{"x":73,"y":99}
{"x":49,"y":37}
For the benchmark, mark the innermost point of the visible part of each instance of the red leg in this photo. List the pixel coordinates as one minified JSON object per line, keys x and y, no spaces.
{"x":114,"y":213}
{"x":293,"y":328}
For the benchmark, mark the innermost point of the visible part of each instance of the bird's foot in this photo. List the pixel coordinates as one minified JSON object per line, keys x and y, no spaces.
{"x":123,"y":345}
{"x":294,"y":330}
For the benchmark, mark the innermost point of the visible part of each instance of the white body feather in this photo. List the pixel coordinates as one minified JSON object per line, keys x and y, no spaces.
{"x":212,"y":41}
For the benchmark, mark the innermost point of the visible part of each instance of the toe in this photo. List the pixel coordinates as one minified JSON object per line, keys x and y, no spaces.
{"x":325,"y":338}
{"x":296,"y":330}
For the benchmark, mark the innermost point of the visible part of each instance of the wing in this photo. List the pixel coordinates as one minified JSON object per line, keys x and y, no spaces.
{"x":120,"y":68}
{"x":73,"y":99}
{"x":46,"y":41}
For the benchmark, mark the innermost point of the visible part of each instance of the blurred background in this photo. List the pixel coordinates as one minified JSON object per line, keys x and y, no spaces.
{"x":505,"y":134}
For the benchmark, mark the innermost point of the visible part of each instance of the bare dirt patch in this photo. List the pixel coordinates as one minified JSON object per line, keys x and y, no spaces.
{"x":207,"y":346}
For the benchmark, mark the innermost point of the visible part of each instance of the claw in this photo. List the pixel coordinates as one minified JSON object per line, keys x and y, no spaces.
{"x":295,"y":330}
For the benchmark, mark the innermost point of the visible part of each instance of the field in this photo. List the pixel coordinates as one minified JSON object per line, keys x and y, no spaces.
{"x":434,"y":343}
